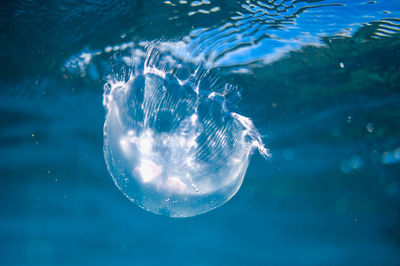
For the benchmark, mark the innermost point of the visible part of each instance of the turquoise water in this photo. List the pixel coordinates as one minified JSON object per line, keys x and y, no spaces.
{"x":319,"y":79}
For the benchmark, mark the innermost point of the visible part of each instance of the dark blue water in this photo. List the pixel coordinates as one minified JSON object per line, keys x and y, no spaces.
{"x":320,"y":80}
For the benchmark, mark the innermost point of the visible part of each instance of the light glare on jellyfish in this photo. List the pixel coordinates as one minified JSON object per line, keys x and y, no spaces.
{"x":172,"y":143}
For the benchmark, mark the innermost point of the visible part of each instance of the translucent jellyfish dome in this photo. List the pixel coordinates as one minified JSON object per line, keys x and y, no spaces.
{"x":171,"y":142}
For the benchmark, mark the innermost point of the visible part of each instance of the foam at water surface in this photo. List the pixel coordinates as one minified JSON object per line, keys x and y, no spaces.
{"x":172,"y":142}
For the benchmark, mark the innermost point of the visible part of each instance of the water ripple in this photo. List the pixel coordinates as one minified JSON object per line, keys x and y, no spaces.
{"x":254,"y":33}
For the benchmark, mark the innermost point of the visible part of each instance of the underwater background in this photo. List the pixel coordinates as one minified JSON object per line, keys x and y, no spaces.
{"x":320,"y":80}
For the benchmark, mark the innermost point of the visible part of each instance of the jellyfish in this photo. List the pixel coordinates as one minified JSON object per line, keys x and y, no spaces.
{"x":173,"y":143}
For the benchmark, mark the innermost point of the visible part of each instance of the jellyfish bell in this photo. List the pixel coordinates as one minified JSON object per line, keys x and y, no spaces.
{"x":171,"y":142}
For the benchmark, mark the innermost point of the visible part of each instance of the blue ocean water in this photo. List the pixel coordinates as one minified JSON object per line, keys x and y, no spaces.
{"x":320,"y":80}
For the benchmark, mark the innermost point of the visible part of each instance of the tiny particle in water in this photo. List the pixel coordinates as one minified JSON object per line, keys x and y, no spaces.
{"x":341,"y":65}
{"x":370,"y":127}
{"x":346,"y":166}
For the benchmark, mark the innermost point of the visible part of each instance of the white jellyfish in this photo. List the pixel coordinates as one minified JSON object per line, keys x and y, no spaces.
{"x":171,"y":142}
